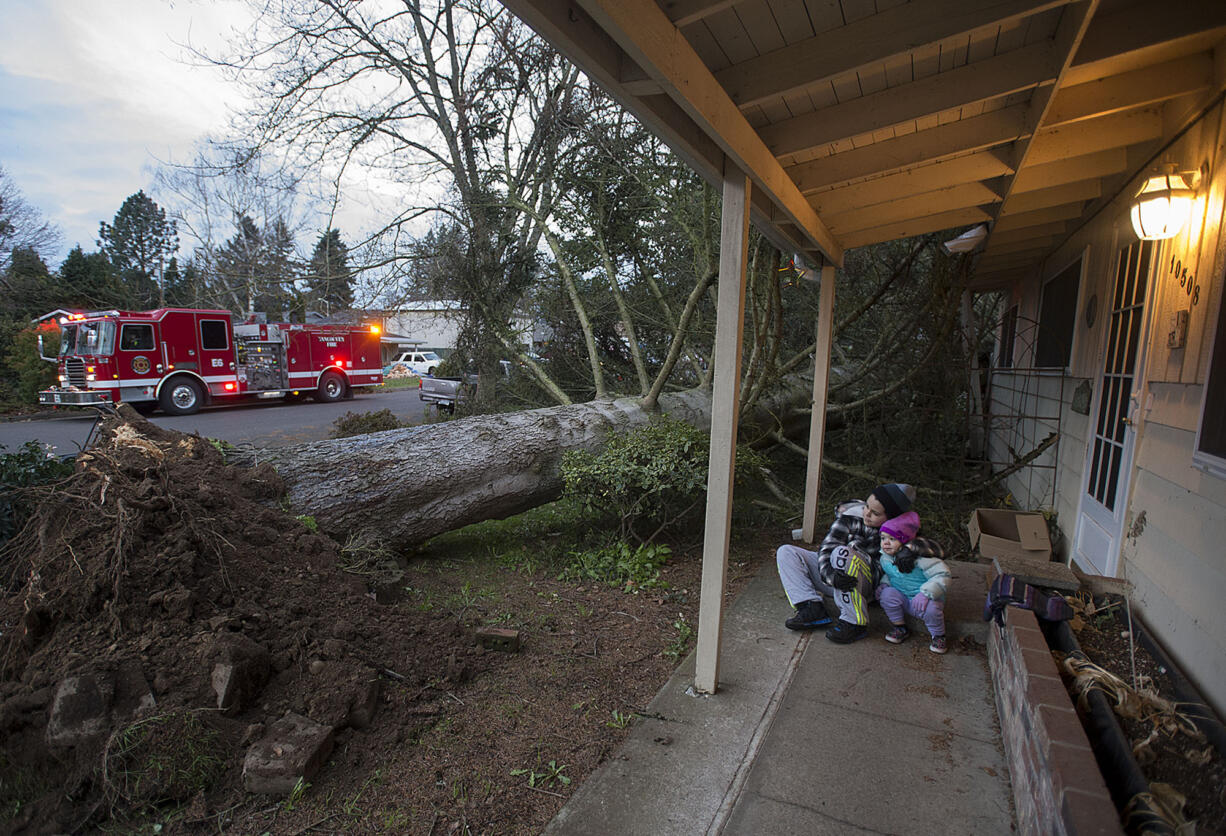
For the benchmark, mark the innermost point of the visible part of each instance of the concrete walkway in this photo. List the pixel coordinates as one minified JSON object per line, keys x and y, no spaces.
{"x":806,"y":736}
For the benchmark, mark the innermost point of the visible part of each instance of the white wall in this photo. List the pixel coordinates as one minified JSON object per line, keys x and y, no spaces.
{"x":1173,"y":552}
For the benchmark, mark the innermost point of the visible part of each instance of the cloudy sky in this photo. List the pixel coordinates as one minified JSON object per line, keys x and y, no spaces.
{"x":94,"y":93}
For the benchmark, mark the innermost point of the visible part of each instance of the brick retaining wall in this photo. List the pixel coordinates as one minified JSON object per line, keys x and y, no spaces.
{"x":1057,"y":786}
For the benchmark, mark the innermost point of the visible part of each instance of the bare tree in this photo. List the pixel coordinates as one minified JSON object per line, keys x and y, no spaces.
{"x":22,"y":226}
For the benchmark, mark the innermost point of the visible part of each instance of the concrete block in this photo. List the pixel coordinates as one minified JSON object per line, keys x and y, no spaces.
{"x":498,"y":638}
{"x":295,"y":748}
{"x":242,"y":669}
{"x":364,"y":703}
{"x":80,"y":710}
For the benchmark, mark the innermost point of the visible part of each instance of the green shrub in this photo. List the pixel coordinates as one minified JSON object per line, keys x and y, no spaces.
{"x":355,"y":423}
{"x":28,"y":467}
{"x":649,"y":479}
{"x":620,"y":565}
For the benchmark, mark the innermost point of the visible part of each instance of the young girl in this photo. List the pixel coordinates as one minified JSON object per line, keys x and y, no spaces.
{"x":911,"y":585}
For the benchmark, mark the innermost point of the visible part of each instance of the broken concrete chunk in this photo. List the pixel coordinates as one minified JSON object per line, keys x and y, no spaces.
{"x":365,"y":702}
{"x":294,"y":749}
{"x":243,"y":668}
{"x":81,"y":710}
{"x":498,"y":638}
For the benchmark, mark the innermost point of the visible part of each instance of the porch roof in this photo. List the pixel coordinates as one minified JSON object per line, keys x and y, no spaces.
{"x":860,"y":121}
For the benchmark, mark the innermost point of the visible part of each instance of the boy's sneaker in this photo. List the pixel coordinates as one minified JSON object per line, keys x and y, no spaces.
{"x":938,"y":644}
{"x":844,"y":633}
{"x":898,"y":634}
{"x":809,"y":616}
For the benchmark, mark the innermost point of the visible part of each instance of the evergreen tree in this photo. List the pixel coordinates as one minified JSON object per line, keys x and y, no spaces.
{"x":88,"y":281}
{"x":31,"y":290}
{"x":256,"y":268}
{"x":139,"y":242}
{"x":329,"y":279}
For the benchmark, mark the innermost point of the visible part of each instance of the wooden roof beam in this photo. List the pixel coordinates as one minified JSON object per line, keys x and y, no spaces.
{"x":910,"y":208}
{"x":1039,"y":217}
{"x":983,"y":165}
{"x":1076,"y":192}
{"x":697,"y":120}
{"x":685,"y":12}
{"x":1145,"y":25}
{"x":1055,"y":229}
{"x":650,"y":39}
{"x":1042,"y":244}
{"x":1075,"y":139}
{"x":954,"y":139}
{"x":1066,"y":40}
{"x":1071,"y":169}
{"x":982,"y":81}
{"x":1128,"y":91}
{"x":998,"y":279}
{"x":917,"y":226}
{"x":869,"y":41}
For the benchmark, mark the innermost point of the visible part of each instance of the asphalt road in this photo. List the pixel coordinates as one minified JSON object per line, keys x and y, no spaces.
{"x":272,"y":423}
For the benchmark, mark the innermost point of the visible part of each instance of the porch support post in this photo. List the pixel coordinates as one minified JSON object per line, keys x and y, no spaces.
{"x":725,"y":404}
{"x":817,"y":421}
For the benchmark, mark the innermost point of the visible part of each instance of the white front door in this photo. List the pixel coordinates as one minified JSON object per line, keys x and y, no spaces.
{"x":1111,"y":437}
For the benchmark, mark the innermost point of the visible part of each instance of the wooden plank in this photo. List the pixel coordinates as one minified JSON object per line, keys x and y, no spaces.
{"x":1038,"y":244}
{"x":999,"y":76}
{"x":897,"y":211}
{"x":866,"y":42}
{"x":917,"y":226}
{"x":1081,"y":190}
{"x":998,"y":280}
{"x":817,"y":418}
{"x":684,"y":12}
{"x":1127,"y":91}
{"x":641,"y":29}
{"x":976,"y":134}
{"x":1138,"y":26}
{"x":990,"y":263}
{"x":1076,"y":138}
{"x":1040,"y":217}
{"x":1056,"y":228}
{"x":983,"y":165}
{"x":725,"y":397}
{"x":1045,"y":176}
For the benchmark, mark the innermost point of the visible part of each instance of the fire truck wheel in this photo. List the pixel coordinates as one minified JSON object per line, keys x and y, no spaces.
{"x":331,"y":388}
{"x":182,"y":396}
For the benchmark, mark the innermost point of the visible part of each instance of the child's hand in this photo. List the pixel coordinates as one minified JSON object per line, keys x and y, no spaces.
{"x":919,"y":604}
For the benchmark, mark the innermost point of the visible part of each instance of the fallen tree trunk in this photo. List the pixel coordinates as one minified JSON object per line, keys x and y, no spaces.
{"x":402,"y":487}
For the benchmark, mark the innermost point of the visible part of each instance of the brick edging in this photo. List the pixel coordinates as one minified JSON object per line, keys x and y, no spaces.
{"x":1057,"y":786}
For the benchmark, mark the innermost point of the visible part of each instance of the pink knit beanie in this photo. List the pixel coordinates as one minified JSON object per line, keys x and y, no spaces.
{"x":902,"y":528}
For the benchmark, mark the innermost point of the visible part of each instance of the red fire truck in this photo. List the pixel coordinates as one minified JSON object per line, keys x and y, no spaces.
{"x":180,"y":359}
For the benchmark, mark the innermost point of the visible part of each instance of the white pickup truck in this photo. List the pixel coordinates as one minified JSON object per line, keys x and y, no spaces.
{"x":420,"y":363}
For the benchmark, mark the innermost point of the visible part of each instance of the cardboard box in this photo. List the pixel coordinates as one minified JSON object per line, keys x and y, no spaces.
{"x":1010,"y":534}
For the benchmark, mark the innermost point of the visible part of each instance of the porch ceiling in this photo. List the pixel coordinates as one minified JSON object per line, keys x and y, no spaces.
{"x":860,"y":121}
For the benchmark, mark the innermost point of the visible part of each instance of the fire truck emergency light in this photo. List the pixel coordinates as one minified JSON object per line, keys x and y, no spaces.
{"x":375,"y":329}
{"x":229,"y":387}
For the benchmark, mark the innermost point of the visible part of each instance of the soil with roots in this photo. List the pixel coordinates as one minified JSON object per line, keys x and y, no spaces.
{"x":1185,"y":771}
{"x":156,"y":562}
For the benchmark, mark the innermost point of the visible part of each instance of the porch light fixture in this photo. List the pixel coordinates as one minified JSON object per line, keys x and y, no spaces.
{"x":1163,"y":204}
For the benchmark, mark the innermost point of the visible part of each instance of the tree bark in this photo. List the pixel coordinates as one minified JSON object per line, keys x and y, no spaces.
{"x":401,"y":487}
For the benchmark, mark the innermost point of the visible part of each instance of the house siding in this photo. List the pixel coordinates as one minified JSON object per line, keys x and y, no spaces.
{"x":1173,"y":549}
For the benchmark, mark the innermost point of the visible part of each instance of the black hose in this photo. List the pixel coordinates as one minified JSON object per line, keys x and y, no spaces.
{"x":1126,"y":782}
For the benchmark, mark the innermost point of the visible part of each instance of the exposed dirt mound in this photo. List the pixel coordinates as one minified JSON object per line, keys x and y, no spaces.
{"x":160,"y":615}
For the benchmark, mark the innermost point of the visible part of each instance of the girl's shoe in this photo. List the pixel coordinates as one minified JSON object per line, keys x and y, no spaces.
{"x":897,"y":634}
{"x":938,"y":644}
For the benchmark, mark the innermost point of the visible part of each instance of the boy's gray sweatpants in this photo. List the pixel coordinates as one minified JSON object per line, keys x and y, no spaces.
{"x":802,"y":581}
